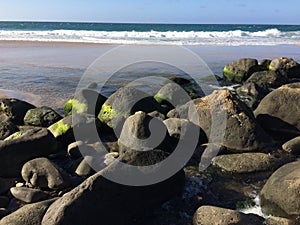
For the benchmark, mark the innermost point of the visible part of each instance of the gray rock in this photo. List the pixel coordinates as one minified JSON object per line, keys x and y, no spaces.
{"x":185,"y":130}
{"x":211,"y":215}
{"x":15,"y":109}
{"x":143,"y":132}
{"x":98,"y":199}
{"x":280,"y":196}
{"x":278,"y":113}
{"x":180,"y":111}
{"x":157,"y":115}
{"x":42,"y":117}
{"x":7,"y":128}
{"x":125,"y":102}
{"x":22,"y":147}
{"x":292,"y":146}
{"x":28,"y":195}
{"x":31,"y":214}
{"x":286,"y":66}
{"x":272,"y":220}
{"x":84,"y":169}
{"x":227,"y":121}
{"x":172,"y":94}
{"x":246,"y":162}
{"x":42,"y":173}
{"x":240,"y":70}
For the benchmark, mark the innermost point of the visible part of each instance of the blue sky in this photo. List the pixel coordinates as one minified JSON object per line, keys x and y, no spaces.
{"x":154,"y":11}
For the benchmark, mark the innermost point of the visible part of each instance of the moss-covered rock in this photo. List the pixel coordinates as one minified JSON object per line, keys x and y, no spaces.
{"x":85,"y":101}
{"x":43,"y":117}
{"x":240,"y":70}
{"x":286,"y":66}
{"x":125,"y":102}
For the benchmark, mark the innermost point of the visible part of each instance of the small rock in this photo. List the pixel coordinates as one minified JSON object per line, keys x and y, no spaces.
{"x":272,"y":220}
{"x":84,"y":169}
{"x":42,"y":173}
{"x":28,"y":195}
{"x":73,"y":149}
{"x":211,"y":215}
{"x":246,"y":162}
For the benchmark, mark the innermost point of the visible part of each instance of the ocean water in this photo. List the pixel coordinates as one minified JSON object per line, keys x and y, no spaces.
{"x":171,"y":34}
{"x":47,"y":67}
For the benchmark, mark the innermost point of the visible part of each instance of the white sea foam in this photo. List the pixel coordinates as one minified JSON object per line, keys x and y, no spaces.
{"x":231,"y":38}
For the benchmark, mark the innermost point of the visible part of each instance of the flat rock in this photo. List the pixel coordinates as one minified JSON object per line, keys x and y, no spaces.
{"x":23,"y":147}
{"x":211,"y":215}
{"x":246,"y":162}
{"x":280,"y":196}
{"x":28,"y":195}
{"x":42,"y":173}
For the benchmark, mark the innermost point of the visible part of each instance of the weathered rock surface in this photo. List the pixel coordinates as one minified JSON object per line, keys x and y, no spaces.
{"x":286,"y":66}
{"x":281,"y":194}
{"x":21,"y":148}
{"x":246,"y":162}
{"x":7,"y":128}
{"x":211,"y":215}
{"x":15,"y":109}
{"x":227,"y":121}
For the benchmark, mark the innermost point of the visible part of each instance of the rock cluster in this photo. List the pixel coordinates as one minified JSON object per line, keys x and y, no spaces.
{"x":174,"y":157}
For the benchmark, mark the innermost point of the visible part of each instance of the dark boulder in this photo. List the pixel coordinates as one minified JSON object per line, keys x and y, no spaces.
{"x":278,"y":113}
{"x":15,"y":109}
{"x":7,"y":128}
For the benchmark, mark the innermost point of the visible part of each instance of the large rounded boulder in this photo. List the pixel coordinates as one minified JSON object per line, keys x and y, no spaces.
{"x":286,"y":66}
{"x":281,"y":194}
{"x":278,"y":113}
{"x":227,"y":121}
